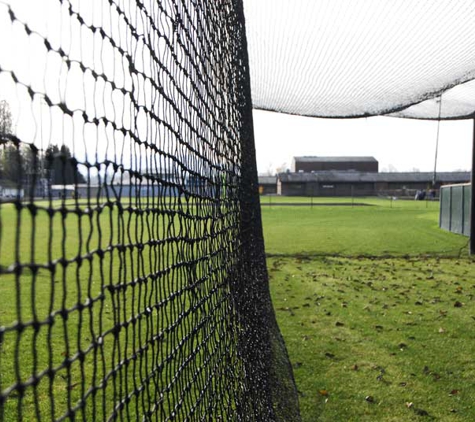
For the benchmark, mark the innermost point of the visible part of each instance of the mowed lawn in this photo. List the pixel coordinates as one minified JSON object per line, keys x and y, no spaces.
{"x":111,"y":317}
{"x":376,"y":305}
{"x":382,"y":227}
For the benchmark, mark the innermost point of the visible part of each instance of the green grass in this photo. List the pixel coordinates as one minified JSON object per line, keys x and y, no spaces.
{"x":376,"y":305}
{"x":363,"y":296}
{"x":403,"y":228}
{"x":380,"y":201}
{"x":163,"y":351}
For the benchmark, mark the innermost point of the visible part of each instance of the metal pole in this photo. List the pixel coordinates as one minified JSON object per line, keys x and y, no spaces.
{"x":434,"y":177}
{"x":472,"y":202}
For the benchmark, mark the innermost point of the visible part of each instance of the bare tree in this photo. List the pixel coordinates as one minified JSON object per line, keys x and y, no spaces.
{"x":282,"y":168}
{"x":9,"y":153}
{"x":5,"y":118}
{"x":270,"y":171}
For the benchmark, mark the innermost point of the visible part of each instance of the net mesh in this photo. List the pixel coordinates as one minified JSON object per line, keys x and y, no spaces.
{"x":133,"y":283}
{"x":334,"y":58}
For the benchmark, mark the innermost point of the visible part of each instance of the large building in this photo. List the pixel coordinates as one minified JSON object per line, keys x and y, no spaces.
{"x":353,"y":176}
{"x":355,"y":183}
{"x":309,"y":164}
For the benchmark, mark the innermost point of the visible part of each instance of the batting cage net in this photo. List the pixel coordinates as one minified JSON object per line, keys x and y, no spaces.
{"x":133,"y":283}
{"x":339,"y":58}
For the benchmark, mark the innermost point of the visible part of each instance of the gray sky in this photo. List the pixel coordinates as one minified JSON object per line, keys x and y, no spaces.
{"x":398,"y":144}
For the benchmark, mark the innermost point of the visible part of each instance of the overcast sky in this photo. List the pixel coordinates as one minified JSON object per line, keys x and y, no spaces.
{"x":398,"y":144}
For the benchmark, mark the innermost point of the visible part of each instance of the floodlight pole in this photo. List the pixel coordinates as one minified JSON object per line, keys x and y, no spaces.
{"x":472,"y":196}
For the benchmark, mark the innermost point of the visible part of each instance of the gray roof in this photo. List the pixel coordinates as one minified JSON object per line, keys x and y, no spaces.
{"x":316,"y":159}
{"x":267,"y":180}
{"x":357,"y":176}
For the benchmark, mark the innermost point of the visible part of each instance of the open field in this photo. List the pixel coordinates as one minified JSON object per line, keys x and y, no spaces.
{"x":379,"y":201}
{"x":97,"y":311}
{"x":377,"y":324}
{"x":384,"y":228}
{"x":374,"y":304}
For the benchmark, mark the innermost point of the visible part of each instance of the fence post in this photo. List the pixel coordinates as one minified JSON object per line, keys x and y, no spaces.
{"x":450,"y":208}
{"x":442,"y":193}
{"x":463,"y":209}
{"x":472,"y":195}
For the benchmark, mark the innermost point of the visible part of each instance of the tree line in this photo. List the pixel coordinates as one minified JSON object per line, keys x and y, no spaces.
{"x":22,"y":163}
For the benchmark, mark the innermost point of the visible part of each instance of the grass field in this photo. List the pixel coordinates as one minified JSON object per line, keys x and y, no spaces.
{"x":381,"y":228}
{"x":97,"y":311}
{"x":376,"y":305}
{"x":374,"y":302}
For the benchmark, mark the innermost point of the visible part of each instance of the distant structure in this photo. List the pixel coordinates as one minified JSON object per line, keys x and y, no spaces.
{"x":311,"y":164}
{"x":355,"y":183}
{"x":353,"y":176}
{"x":267,"y":185}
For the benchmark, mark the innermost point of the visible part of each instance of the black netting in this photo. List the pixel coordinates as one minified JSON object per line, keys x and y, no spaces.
{"x":337,"y":58}
{"x":133,"y":283}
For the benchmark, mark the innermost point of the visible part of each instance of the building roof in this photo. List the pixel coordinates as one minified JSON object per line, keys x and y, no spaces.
{"x":357,"y":176}
{"x":317,"y":159}
{"x":449,"y":176}
{"x":267,"y":180}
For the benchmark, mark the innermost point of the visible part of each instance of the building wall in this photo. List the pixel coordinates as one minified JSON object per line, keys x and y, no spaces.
{"x":351,"y":189}
{"x":402,"y":185}
{"x":292,"y":189}
{"x":406,"y":188}
{"x":268,"y":189}
{"x":347,"y":189}
{"x":130,"y":191}
{"x":12,"y":193}
{"x":363,"y":166}
{"x":326,"y":189}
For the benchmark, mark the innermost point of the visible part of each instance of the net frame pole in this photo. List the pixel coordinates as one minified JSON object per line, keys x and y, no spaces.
{"x":434,"y":176}
{"x":472,"y":195}
{"x":261,"y":342}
